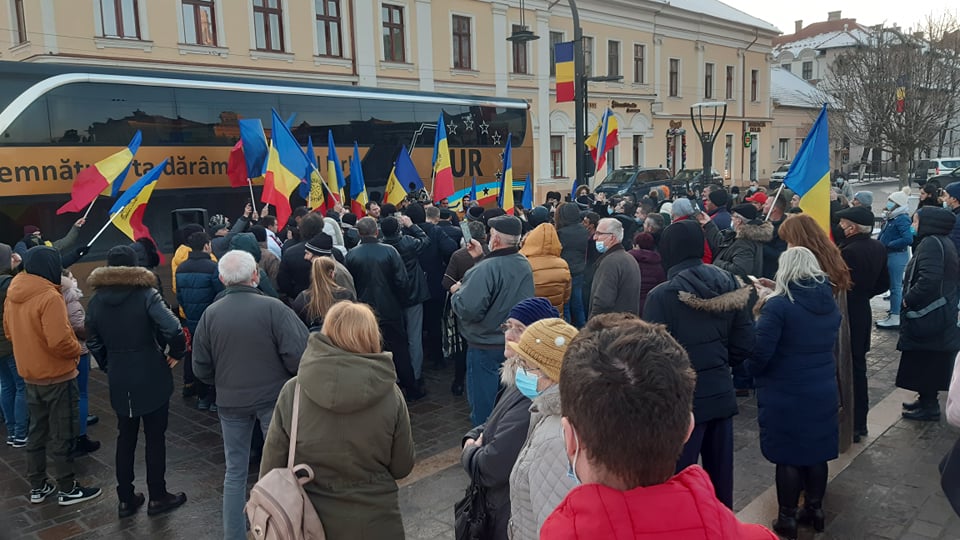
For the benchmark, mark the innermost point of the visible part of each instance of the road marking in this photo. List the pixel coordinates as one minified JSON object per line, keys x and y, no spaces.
{"x":431,"y":466}
{"x":882,"y":417}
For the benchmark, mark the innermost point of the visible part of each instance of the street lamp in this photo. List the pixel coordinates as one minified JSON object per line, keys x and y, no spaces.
{"x":707,"y":128}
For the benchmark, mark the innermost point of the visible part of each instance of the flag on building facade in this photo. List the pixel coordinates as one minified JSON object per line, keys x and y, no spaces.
{"x":505,"y":200}
{"x":563,"y":59}
{"x":603,"y":138}
{"x":358,"y":188}
{"x":809,"y":174}
{"x":96,"y":178}
{"x":130,"y":207}
{"x":442,"y":170}
{"x":335,"y":179}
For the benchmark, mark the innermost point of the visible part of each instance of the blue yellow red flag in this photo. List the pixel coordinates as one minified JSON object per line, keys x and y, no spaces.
{"x":505,"y":200}
{"x":287,"y":165}
{"x":527,"y":200}
{"x":96,"y":178}
{"x":127,"y":212}
{"x":358,"y":188}
{"x":809,"y":174}
{"x":563,"y":59}
{"x":603,"y":138}
{"x":335,"y":179}
{"x":442,"y":171}
{"x":473,"y":190}
{"x":255,"y":147}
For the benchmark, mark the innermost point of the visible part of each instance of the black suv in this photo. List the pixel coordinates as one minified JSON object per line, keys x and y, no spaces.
{"x":637,"y":182}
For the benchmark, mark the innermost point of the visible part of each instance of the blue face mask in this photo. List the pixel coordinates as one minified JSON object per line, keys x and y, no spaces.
{"x":913,"y":230}
{"x":601,"y":247}
{"x":526,"y":383}
{"x":891,"y":205}
{"x":572,"y":466}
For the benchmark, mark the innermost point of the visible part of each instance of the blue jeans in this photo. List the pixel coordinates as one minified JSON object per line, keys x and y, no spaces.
{"x":236,"y":426}
{"x":483,"y":381}
{"x":82,"y":379}
{"x":896,"y":264}
{"x":574,"y":311}
{"x":13,"y":398}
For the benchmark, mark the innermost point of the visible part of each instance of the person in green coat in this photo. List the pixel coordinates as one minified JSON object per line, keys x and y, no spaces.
{"x":354,"y":428}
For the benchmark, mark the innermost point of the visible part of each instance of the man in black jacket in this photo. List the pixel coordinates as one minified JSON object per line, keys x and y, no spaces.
{"x":294,"y":274}
{"x":124,"y":320}
{"x":410,"y":242}
{"x":433,"y":260}
{"x":381,"y":280}
{"x":573,"y":249}
{"x":867,"y":259}
{"x":706,"y":309}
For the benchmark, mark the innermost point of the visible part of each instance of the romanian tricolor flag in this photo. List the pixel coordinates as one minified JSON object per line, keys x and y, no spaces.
{"x":473,"y":192}
{"x":901,"y":94}
{"x":287,"y":165}
{"x":605,"y":137}
{"x":809,"y":174}
{"x":335,"y":180}
{"x":442,"y":171}
{"x":506,"y":181}
{"x":563,"y":56}
{"x":127,"y":212}
{"x":99,"y":176}
{"x":358,"y":189}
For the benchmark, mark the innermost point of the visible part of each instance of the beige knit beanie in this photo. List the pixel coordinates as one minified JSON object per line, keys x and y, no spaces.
{"x":543,"y":344}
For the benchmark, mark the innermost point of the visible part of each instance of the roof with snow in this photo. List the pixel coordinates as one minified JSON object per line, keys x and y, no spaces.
{"x":716,"y":8}
{"x":828,"y":40}
{"x":789,"y":90}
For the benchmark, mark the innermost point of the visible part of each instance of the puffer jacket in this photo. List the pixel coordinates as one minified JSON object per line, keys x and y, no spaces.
{"x":706,"y":310}
{"x":380,"y":278}
{"x":128,"y":327}
{"x":35,"y":320}
{"x":353,"y":431}
{"x":198,"y":283}
{"x":410,"y":243}
{"x":895,"y":234}
{"x":539,"y":481}
{"x":740,"y":252}
{"x":72,"y":295}
{"x":683,"y":507}
{"x":551,"y":274}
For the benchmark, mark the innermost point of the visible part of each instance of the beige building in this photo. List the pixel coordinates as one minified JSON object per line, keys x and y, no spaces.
{"x":670,"y":55}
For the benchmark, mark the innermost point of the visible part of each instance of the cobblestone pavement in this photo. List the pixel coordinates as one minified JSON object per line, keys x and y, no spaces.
{"x":890,"y":491}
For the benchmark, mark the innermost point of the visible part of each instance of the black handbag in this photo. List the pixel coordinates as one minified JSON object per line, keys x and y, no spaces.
{"x":471,"y":520}
{"x":950,"y":476}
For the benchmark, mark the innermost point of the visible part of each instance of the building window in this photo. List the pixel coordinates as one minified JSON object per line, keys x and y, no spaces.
{"x":754,"y":82}
{"x":613,"y":58}
{"x":268,"y":25}
{"x":783,"y":149}
{"x":611,"y":160}
{"x":119,"y":19}
{"x":708,"y":81}
{"x":519,"y":53}
{"x":786,"y":67}
{"x":638,"y":150}
{"x":727,"y":155}
{"x":21,"y":21}
{"x":588,"y":56}
{"x":674,"y":77}
{"x":393,"y":47}
{"x":556,"y":156}
{"x":639,"y":56}
{"x":555,"y":37}
{"x":807,"y":71}
{"x":461,"y":42}
{"x":199,"y":24}
{"x":730,"y":73}
{"x":329,"y":37}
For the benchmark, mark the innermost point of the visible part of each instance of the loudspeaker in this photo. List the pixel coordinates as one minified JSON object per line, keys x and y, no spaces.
{"x":185,"y":216}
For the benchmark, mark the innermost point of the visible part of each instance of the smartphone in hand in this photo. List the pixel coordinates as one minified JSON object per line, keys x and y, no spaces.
{"x":467,"y":237}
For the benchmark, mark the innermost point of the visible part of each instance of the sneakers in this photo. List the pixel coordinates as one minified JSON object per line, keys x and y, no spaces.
{"x":892,"y":321}
{"x":76,"y":495}
{"x":18,"y":442}
{"x":9,"y":440}
{"x":37,"y":496}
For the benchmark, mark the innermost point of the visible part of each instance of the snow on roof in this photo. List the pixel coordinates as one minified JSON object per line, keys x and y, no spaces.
{"x":716,"y":8}
{"x":788,"y":90}
{"x":827,"y":40}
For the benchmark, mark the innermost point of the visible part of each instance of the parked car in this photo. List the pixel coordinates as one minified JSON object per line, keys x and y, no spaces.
{"x":946,"y":178}
{"x":637,"y":182}
{"x":781,"y":173}
{"x":695,"y":180}
{"x":924,"y":169}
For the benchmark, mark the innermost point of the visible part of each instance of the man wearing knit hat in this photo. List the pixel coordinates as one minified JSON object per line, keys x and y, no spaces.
{"x":863,"y":198}
{"x":715,"y":200}
{"x":32,"y":237}
{"x":482,"y":302}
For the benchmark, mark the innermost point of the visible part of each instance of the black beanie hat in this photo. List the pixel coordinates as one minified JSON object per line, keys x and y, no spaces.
{"x":122,"y":256}
{"x":416,"y":213}
{"x":681,"y":241}
{"x":389,"y":226}
{"x":719,"y":197}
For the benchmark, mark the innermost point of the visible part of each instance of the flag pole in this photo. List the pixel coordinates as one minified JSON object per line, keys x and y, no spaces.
{"x":87,"y":213}
{"x":775,"y":197}
{"x":253,"y":201}
{"x":104,"y":228}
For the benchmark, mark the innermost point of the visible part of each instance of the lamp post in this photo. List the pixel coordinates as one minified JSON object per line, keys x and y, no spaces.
{"x":707,"y":129}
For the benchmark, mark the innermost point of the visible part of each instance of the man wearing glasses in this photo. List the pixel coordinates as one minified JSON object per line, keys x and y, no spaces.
{"x":616,"y":283}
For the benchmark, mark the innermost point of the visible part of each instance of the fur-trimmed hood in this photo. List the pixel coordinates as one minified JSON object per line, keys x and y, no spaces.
{"x":707,"y":288}
{"x":122,"y":276}
{"x":756,"y":231}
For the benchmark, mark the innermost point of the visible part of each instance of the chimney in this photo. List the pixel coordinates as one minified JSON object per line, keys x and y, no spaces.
{"x":833,"y":16}
{"x":797,"y":26}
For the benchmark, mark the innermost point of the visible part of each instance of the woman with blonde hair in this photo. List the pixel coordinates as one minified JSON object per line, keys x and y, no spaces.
{"x":354,"y":428}
{"x":314,"y":303}
{"x":795,"y":373}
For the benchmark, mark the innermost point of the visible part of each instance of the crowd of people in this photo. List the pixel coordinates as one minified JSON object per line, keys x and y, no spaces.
{"x":584,"y":333}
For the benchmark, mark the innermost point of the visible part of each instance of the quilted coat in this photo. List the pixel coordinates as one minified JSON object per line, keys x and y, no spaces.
{"x":551,"y":274}
{"x":539,"y":478}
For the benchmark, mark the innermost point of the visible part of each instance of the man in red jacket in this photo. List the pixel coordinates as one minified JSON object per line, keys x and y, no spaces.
{"x":627,"y":390}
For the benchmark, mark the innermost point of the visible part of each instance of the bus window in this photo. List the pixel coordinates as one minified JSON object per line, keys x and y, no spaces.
{"x":317,"y":115}
{"x":31,"y":127}
{"x":209,"y":117}
{"x":109,"y":115}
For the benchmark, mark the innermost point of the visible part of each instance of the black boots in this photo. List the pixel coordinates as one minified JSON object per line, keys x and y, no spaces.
{"x":786,"y":523}
{"x":925,"y":409}
{"x":812,"y":515}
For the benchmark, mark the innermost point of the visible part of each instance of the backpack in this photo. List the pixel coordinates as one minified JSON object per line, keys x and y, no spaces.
{"x":279,"y":508}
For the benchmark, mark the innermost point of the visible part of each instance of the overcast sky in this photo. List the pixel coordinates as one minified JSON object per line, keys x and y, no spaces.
{"x":867,"y":12}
